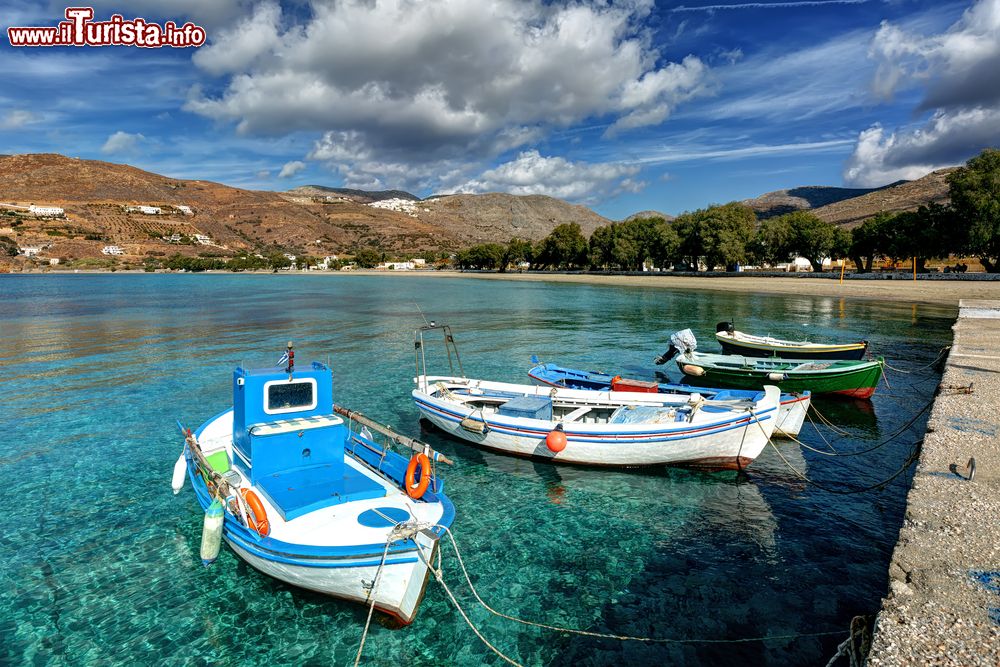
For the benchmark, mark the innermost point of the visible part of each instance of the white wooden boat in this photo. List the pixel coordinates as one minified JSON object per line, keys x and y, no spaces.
{"x":606,"y":428}
{"x":300,"y":496}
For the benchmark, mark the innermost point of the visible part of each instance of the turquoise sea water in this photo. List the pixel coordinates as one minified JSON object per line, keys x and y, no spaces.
{"x":100,"y":560}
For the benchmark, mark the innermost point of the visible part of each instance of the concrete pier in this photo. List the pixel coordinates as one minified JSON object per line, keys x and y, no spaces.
{"x":943,"y":605}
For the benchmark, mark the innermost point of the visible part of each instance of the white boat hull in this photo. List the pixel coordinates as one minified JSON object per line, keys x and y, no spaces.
{"x":400,"y":586}
{"x":732,"y":441}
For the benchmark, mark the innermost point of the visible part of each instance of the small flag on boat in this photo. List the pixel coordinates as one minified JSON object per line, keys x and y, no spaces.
{"x":287,"y":359}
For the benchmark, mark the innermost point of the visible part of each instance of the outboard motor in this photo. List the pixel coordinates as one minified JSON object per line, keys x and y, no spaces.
{"x":680,"y":342}
{"x":728,"y":327}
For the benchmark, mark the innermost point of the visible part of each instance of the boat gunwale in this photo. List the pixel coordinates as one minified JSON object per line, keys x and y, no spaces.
{"x":309,"y":555}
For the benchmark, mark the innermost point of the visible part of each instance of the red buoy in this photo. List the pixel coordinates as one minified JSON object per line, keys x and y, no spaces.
{"x":556,"y":439}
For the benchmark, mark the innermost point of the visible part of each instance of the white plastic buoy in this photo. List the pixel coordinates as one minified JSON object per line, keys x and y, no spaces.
{"x":180,"y":472}
{"x":211,"y":533}
{"x":696,"y":371}
{"x":775,"y":377}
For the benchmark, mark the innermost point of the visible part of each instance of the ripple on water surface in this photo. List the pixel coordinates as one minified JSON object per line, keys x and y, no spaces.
{"x":101,"y":560}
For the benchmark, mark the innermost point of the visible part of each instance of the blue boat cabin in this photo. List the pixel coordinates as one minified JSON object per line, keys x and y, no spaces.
{"x":290,"y":445}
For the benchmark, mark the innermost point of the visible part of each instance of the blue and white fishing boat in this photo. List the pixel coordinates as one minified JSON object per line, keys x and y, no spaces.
{"x":609,"y":428}
{"x":301,"y":496}
{"x":792,"y":408}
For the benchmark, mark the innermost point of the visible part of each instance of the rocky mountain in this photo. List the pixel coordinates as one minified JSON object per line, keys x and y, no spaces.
{"x":314,"y":220}
{"x":901,"y":196}
{"x":649,"y":214}
{"x":852,"y":206}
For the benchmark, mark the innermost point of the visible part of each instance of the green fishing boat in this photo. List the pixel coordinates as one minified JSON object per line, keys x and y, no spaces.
{"x":857,"y":379}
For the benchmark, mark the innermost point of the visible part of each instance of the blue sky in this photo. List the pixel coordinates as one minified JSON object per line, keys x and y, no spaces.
{"x":622,"y":106}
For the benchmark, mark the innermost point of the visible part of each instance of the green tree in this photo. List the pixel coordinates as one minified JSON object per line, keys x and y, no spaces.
{"x":811,"y":238}
{"x":870,"y":240}
{"x":483,"y":256}
{"x":517,"y":251}
{"x":975,"y":198}
{"x":368,"y":258}
{"x":773,"y":242}
{"x":727,"y":234}
{"x":564,"y":248}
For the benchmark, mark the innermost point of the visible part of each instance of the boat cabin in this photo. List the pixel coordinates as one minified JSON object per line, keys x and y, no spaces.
{"x":288,"y":443}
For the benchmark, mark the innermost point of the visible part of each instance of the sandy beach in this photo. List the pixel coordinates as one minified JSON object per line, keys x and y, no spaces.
{"x":936,"y":292}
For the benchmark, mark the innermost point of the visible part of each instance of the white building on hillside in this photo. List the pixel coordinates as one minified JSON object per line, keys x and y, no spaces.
{"x":30,"y":250}
{"x":46,"y":211}
{"x":203,"y":239}
{"x":112,"y":250}
{"x":419,"y":261}
{"x":145,"y":210}
{"x":186,"y":210}
{"x":396,"y":266}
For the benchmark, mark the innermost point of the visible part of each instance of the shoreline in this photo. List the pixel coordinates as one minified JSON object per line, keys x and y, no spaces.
{"x":930,"y":292}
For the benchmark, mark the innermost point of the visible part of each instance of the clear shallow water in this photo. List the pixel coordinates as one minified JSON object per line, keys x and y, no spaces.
{"x":100,"y":560}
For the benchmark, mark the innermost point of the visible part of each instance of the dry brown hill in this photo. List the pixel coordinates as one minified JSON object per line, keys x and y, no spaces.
{"x":95,"y":195}
{"x":852,"y":206}
{"x":903,"y":196}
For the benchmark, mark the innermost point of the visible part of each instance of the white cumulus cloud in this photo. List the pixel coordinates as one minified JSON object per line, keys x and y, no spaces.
{"x":958,"y":72}
{"x":291,"y":168}
{"x":441,"y":80}
{"x":122,"y":143}
{"x":534,"y":174}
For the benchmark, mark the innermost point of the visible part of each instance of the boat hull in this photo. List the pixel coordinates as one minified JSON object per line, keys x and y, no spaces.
{"x":344,"y":571}
{"x":731,"y":443}
{"x":792,"y":408}
{"x":860,"y":382}
{"x":850,"y":351}
{"x":400,"y":588}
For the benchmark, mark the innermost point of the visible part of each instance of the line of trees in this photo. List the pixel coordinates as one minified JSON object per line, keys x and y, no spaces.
{"x":724,"y":236}
{"x":729,"y":235}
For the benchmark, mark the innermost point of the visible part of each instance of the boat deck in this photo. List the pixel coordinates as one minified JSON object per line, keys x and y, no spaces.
{"x":375,"y":506}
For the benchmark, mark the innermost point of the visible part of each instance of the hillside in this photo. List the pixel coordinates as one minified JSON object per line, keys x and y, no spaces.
{"x":95,"y":195}
{"x":902,"y":196}
{"x":649,"y":214}
{"x":779,"y":202}
{"x":362,"y":196}
{"x":852,"y":206}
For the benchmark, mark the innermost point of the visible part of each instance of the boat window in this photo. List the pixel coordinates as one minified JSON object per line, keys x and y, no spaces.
{"x":290,"y":396}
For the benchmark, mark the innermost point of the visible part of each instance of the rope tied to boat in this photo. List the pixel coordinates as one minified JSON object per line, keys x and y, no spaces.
{"x":401,"y":531}
{"x":938,"y":358}
{"x":895,"y":434}
{"x":910,"y":460}
{"x":438,"y":575}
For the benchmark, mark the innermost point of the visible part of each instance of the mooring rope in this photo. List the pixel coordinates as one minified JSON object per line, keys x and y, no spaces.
{"x":912,"y":458}
{"x":371,"y":596}
{"x":885,"y":442}
{"x":819,"y":433}
{"x":826,"y":420}
{"x":940,"y":354}
{"x":600,"y":635}
{"x":440,"y":579}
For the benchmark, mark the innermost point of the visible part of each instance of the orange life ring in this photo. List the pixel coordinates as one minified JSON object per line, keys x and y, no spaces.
{"x":416,"y":489}
{"x":258,"y":519}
